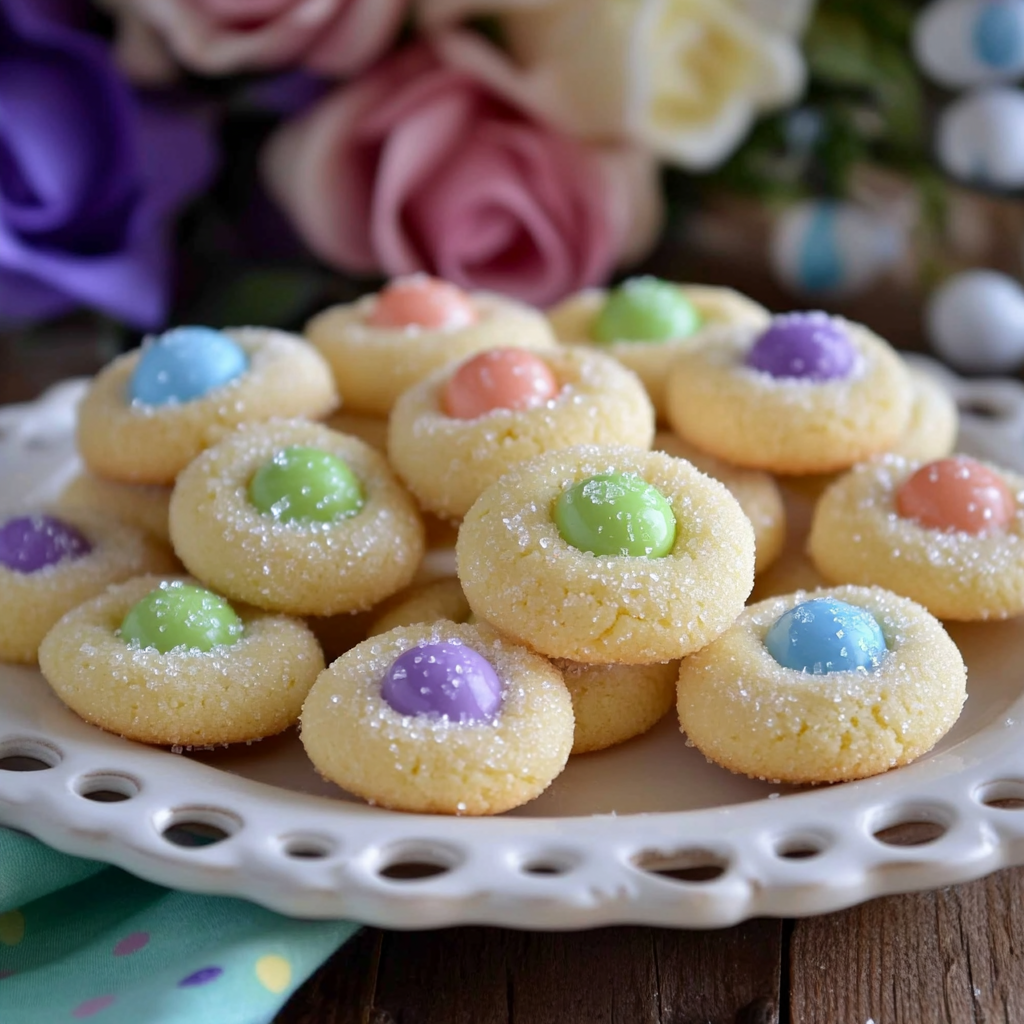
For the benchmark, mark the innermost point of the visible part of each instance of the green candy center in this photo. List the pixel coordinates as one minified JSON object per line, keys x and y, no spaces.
{"x":180,"y":615}
{"x":616,"y":514}
{"x":645,"y":309}
{"x":306,"y":484}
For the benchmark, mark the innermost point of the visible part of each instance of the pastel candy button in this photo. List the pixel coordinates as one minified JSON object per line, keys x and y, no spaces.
{"x":804,"y":346}
{"x":422,"y":301}
{"x":645,"y":309}
{"x":825,"y":635}
{"x":181,"y":615}
{"x":443,"y":679}
{"x":31,"y":543}
{"x":616,"y":514}
{"x":957,"y":494}
{"x":306,"y":484}
{"x":501,"y":378}
{"x":184,"y":364}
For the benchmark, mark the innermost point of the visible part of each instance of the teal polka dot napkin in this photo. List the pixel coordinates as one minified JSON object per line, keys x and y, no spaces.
{"x":84,"y":941}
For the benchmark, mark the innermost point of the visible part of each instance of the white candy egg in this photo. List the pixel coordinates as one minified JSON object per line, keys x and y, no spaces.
{"x":970,"y":42}
{"x":975,"y":321}
{"x":980,"y":138}
{"x":832,"y":248}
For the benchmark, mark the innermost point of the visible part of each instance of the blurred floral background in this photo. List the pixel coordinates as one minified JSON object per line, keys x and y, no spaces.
{"x":250,"y":161}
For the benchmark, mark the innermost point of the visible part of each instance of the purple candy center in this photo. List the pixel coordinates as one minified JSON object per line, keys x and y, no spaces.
{"x":447,"y":679}
{"x":31,"y":543}
{"x":806,"y":346}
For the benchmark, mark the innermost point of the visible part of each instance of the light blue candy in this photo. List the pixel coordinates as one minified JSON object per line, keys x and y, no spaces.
{"x":184,"y":364}
{"x":998,"y":35}
{"x":825,"y":635}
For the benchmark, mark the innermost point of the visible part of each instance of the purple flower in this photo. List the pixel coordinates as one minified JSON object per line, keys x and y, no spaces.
{"x":90,"y":175}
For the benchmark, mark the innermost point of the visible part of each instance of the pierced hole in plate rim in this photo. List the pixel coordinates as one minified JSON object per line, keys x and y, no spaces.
{"x":1003,"y":794}
{"x":28,"y":755}
{"x":549,"y":865}
{"x":689,"y":865}
{"x":990,"y":409}
{"x":801,"y":846}
{"x":414,"y":862}
{"x":307,"y":847}
{"x":911,"y":826}
{"x":192,"y":827}
{"x":106,"y":787}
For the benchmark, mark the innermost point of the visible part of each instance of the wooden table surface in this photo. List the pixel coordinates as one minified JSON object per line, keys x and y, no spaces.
{"x":954,"y":956}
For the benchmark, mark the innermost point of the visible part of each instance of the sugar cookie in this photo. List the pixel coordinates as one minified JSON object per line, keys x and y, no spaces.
{"x":644,"y":322}
{"x":811,"y":394}
{"x":867,"y":681}
{"x":141,"y":505}
{"x":448,"y":457}
{"x":151,"y":412}
{"x":757,"y":493}
{"x":160,"y":660}
{"x":382,"y":344}
{"x":48,"y":565}
{"x":606,"y":555}
{"x":439,"y":599}
{"x":934,"y":420}
{"x":293,"y":517}
{"x":948,"y":534}
{"x":441,"y":718}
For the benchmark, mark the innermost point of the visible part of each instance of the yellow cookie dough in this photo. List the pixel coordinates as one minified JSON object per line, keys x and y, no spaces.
{"x":447,"y":463}
{"x":787,"y":425}
{"x":30,"y":603}
{"x":231,"y":694}
{"x":431,"y":763}
{"x":757,"y":493}
{"x":374,"y":365}
{"x":146,"y":444}
{"x":299,"y":567}
{"x":858,"y":537}
{"x":746,"y":712}
{"x":520,"y":575}
{"x":614,"y":703}
{"x":440,"y":599}
{"x":141,"y":505}
{"x":572,"y":319}
{"x":934,"y":420}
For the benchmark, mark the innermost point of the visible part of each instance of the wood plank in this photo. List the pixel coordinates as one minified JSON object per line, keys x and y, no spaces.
{"x":635,"y":975}
{"x":954,"y":956}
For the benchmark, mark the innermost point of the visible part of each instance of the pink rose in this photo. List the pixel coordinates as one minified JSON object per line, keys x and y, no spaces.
{"x":219,"y":37}
{"x":420,"y":166}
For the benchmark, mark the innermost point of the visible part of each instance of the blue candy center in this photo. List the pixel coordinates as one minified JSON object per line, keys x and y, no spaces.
{"x":998,"y":35}
{"x":825,"y":635}
{"x":184,"y":364}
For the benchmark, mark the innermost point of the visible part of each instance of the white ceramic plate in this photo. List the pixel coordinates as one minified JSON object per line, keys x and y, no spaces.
{"x":648,"y":832}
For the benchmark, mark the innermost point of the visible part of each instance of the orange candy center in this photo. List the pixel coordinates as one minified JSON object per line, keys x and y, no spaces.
{"x":501,"y":378}
{"x":957,"y":494}
{"x":422,"y":301}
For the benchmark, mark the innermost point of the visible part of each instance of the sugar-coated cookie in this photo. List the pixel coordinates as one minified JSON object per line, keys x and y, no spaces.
{"x":151,"y":412}
{"x":440,"y":718}
{"x":382,"y":344}
{"x":293,"y":517}
{"x":810,"y":394}
{"x":949,"y":534}
{"x":934,"y":420}
{"x":161,"y":660}
{"x":606,"y":555}
{"x":142,"y":505}
{"x":823,"y":687}
{"x":615,"y":703}
{"x":644,"y":322}
{"x":51,"y":563}
{"x":439,"y":599}
{"x":452,"y":435}
{"x":757,"y":493}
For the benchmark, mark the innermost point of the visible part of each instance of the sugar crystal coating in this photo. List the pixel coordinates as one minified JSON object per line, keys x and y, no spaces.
{"x":301,"y":483}
{"x":446,"y":678}
{"x":177,"y":614}
{"x":826,"y":635}
{"x":957,"y":494}
{"x":31,"y":543}
{"x":501,"y":378}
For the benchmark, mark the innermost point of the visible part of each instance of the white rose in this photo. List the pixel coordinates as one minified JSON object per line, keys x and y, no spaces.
{"x":685,"y":78}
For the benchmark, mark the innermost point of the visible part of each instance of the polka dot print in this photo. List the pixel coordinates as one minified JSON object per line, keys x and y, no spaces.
{"x":132,"y":944}
{"x":201,"y":977}
{"x":91,"y":1007}
{"x":274,"y":972}
{"x":12,"y":928}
